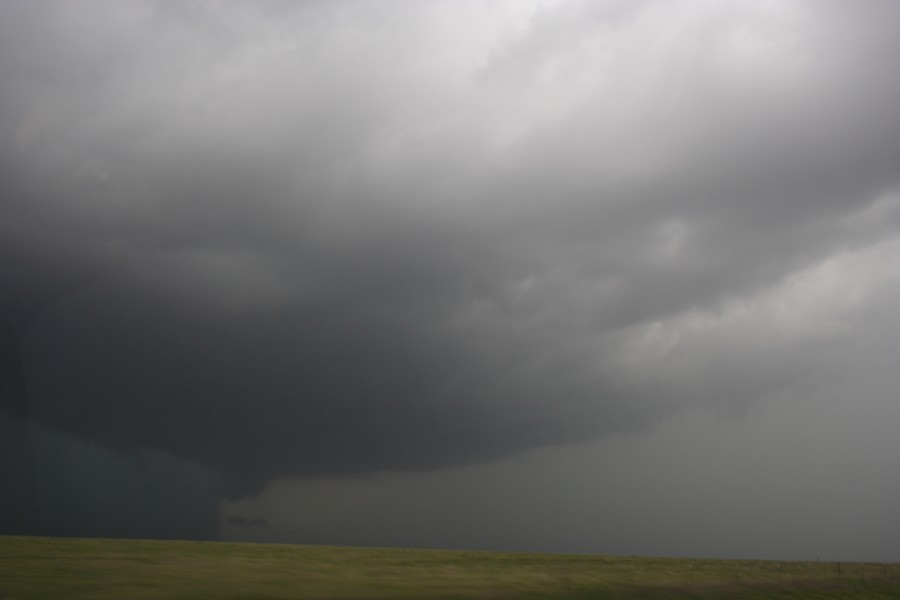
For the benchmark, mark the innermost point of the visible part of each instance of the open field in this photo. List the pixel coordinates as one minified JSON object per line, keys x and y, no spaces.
{"x":32,"y":567}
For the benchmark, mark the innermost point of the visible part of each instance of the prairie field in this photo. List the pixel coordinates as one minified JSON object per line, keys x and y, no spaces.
{"x":37,"y":567}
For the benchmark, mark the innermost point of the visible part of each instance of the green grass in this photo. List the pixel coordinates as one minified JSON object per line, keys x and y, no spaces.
{"x":32,"y":567}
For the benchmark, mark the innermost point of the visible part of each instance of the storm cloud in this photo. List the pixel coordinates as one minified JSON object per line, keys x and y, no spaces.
{"x":317,"y":239}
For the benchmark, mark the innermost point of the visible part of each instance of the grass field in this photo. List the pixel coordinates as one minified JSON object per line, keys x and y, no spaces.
{"x":32,"y":567}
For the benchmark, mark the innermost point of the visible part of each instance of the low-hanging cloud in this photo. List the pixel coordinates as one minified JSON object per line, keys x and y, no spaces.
{"x":305,"y":239}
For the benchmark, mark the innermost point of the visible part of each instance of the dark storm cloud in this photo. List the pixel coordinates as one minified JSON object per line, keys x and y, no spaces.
{"x":239,"y":521}
{"x":317,"y":238}
{"x":55,"y":484}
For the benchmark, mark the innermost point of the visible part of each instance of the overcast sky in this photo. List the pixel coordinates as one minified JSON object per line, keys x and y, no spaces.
{"x":614,"y":277}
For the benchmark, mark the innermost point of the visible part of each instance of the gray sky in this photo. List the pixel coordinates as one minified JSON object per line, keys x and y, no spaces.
{"x":615,"y":277}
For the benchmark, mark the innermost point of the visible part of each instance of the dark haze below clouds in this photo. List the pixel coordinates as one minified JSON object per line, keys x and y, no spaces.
{"x":316,"y":239}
